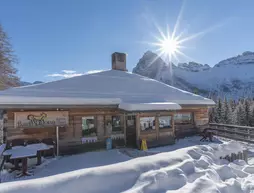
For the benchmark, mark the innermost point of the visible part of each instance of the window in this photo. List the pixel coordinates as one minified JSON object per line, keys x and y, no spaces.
{"x":116,"y":123}
{"x":147,"y":123}
{"x":88,"y":126}
{"x":183,"y":118}
{"x":131,"y":121}
{"x":165,"y":122}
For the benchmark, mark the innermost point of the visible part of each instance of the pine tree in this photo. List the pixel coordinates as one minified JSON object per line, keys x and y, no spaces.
{"x":8,"y":77}
{"x":247,"y":112}
{"x":234,"y":118}
{"x":225,"y":112}
{"x":218,"y":112}
{"x":240,"y":115}
{"x":233,"y":105}
{"x":252,"y":118}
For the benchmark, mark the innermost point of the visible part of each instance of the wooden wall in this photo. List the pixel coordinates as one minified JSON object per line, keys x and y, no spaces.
{"x":72,"y":134}
{"x":200,"y":118}
{"x":155,"y":134}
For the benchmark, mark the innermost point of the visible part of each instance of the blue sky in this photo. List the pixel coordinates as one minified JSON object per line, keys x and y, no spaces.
{"x":51,"y":36}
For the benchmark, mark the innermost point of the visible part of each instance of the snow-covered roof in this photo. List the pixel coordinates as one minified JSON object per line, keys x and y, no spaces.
{"x":149,"y":106}
{"x":102,"y":88}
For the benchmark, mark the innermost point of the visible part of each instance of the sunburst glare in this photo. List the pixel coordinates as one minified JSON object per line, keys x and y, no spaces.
{"x":169,"y":46}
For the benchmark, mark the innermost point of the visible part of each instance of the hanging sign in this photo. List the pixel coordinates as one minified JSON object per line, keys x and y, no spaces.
{"x":40,"y":119}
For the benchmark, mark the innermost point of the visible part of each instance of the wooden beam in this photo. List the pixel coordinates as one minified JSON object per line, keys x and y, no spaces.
{"x":138,"y":126}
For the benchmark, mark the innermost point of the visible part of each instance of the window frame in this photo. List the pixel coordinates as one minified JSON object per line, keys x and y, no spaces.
{"x":190,"y":122}
{"x":120,"y":128}
{"x":94,"y":127}
{"x":168,"y":126}
{"x":153,"y":125}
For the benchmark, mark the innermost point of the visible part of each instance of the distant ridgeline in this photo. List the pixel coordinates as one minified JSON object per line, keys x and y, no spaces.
{"x":235,"y":112}
{"x":23,"y":83}
{"x":232,"y":78}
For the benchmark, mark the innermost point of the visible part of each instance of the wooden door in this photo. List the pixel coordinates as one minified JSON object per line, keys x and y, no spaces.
{"x":131,"y":131}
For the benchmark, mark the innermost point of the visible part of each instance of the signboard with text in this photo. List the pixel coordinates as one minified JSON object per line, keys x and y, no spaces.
{"x":35,"y":119}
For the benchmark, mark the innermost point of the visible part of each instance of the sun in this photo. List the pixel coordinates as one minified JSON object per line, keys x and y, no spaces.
{"x":169,"y":46}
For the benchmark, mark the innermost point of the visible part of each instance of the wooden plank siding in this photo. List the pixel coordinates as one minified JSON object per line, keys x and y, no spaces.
{"x":200,"y":118}
{"x":68,"y":136}
{"x":153,"y":137}
{"x":71,"y":135}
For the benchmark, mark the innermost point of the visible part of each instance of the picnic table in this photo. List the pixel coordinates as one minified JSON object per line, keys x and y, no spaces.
{"x":207,"y":133}
{"x":25,"y":152}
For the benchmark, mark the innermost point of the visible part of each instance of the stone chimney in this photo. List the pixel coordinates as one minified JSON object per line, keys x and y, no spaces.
{"x":119,"y":61}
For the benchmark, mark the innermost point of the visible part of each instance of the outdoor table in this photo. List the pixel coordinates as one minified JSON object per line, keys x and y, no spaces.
{"x":25,"y":152}
{"x":9,"y":152}
{"x":39,"y":147}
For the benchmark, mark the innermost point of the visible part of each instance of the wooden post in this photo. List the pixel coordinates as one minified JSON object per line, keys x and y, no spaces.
{"x":38,"y":158}
{"x":227,"y":158}
{"x":232,"y":157}
{"x":57,"y":141}
{"x":173,"y":124}
{"x":138,"y":129}
{"x":248,"y":134}
{"x":238,"y":155}
{"x":16,"y":164}
{"x":157,"y":125}
{"x":24,"y":166}
{"x":245,"y":153}
{"x":124,"y":127}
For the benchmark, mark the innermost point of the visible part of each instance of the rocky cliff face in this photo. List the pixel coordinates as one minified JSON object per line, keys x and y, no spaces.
{"x":233,"y":77}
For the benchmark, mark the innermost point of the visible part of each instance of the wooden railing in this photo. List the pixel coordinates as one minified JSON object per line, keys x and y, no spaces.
{"x":241,"y":133}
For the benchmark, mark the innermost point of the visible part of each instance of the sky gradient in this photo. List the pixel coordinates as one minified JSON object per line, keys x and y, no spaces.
{"x":51,"y":36}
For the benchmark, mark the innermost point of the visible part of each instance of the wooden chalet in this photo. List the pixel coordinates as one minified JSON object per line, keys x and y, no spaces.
{"x":80,"y":113}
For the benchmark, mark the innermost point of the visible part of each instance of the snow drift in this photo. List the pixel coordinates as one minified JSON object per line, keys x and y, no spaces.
{"x":192,"y":169}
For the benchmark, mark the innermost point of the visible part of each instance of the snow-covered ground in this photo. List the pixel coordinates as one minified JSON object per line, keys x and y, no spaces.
{"x":187,"y":166}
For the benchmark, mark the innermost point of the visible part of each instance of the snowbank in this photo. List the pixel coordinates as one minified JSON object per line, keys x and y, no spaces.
{"x":191,"y":169}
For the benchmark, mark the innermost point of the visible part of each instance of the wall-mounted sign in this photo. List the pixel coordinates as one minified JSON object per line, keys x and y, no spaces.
{"x":35,"y":119}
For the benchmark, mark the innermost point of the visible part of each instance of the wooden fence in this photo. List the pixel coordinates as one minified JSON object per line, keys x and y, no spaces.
{"x":236,"y":132}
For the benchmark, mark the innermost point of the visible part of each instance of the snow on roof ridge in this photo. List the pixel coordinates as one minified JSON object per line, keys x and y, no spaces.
{"x":59,"y":100}
{"x":149,"y":106}
{"x":32,"y":85}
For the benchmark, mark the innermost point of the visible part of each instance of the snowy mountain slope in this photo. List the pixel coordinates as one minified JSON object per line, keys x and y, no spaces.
{"x":233,"y":77}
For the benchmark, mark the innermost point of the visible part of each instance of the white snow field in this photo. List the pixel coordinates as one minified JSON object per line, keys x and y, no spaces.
{"x":193,"y":169}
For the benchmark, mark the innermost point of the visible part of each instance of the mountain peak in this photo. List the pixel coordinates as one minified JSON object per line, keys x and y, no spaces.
{"x":233,"y":79}
{"x":148,"y":52}
{"x":247,"y":53}
{"x":193,"y":66}
{"x":245,"y":58}
{"x":149,"y":65}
